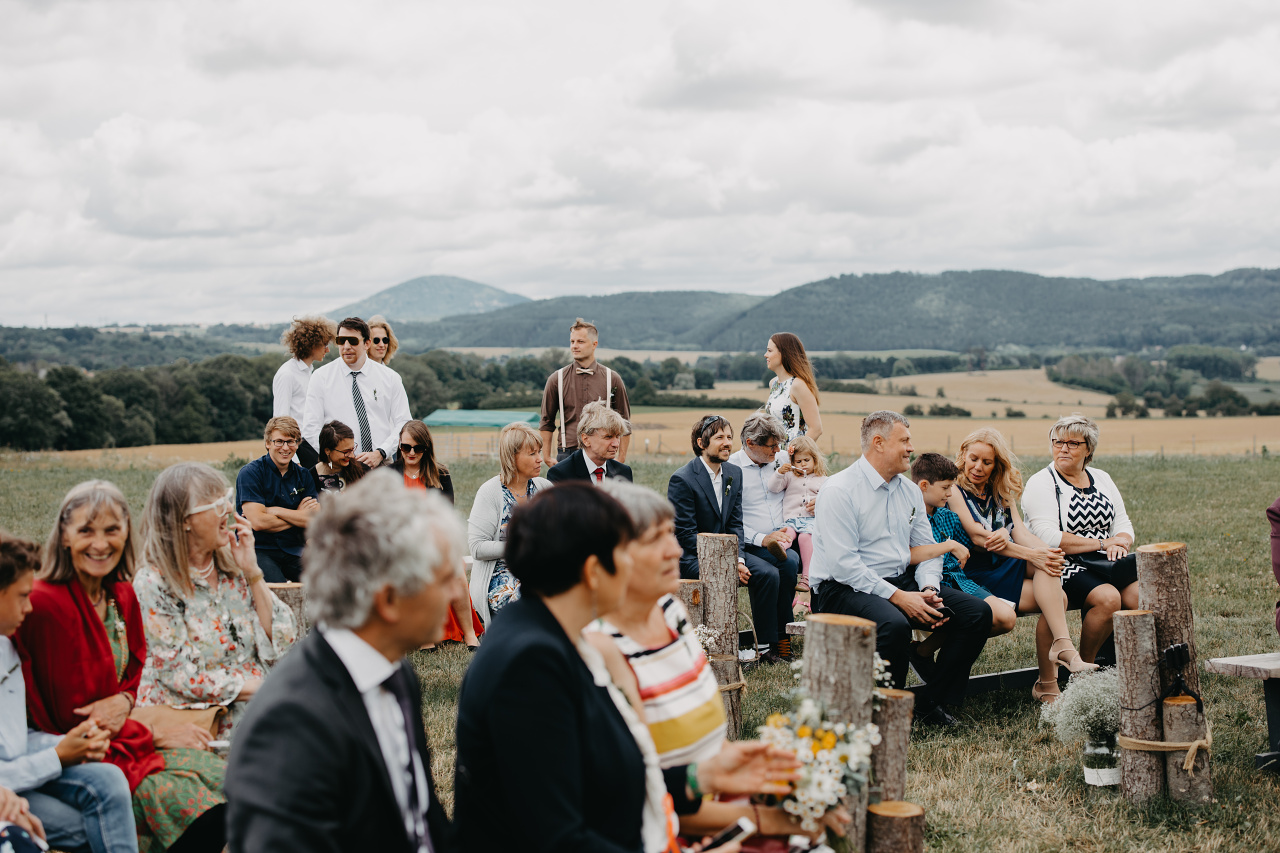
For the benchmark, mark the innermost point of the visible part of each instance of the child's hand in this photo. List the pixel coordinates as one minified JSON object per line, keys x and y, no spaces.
{"x":960,"y":552}
{"x":784,"y":468}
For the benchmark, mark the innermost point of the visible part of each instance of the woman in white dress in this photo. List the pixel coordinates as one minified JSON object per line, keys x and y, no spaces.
{"x":793,"y":403}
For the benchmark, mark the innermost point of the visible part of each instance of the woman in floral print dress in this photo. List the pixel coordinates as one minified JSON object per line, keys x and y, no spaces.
{"x":212,"y":624}
{"x":793,"y":403}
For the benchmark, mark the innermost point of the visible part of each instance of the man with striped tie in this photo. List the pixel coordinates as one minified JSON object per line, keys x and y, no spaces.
{"x":359,"y":392}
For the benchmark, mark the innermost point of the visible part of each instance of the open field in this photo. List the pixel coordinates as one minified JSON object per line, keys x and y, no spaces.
{"x":975,"y":785}
{"x":686,"y":356}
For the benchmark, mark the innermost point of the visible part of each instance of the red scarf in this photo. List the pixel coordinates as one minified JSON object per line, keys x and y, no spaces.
{"x":67,"y":663}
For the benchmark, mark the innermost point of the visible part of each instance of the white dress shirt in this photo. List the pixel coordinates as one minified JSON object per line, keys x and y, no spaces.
{"x":717,"y":482}
{"x":289,"y":390}
{"x":385,"y":403}
{"x":592,"y":465}
{"x":761,"y":509}
{"x":369,"y":668}
{"x":27,"y":757}
{"x":866,"y":528}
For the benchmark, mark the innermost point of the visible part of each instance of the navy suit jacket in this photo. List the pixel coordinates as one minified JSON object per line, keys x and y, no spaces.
{"x":574,"y":467}
{"x":689,"y":490}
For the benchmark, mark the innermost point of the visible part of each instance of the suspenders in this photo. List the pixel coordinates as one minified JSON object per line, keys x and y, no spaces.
{"x":608,"y":398}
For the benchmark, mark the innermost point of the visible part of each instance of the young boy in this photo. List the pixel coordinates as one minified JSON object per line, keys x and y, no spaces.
{"x":84,"y":804}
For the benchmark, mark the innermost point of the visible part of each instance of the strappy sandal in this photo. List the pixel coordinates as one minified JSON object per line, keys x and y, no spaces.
{"x":1077,"y":665}
{"x":1045,"y":696}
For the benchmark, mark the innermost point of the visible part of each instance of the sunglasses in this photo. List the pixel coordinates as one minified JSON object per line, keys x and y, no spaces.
{"x":413,"y":448}
{"x":380,"y":340}
{"x":344,"y":340}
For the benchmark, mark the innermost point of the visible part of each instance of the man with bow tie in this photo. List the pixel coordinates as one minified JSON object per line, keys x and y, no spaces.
{"x":571,"y":388}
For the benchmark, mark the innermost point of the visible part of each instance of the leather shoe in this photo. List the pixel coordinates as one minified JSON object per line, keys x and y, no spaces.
{"x":925,"y":667}
{"x":772,"y":656}
{"x":938,"y":717}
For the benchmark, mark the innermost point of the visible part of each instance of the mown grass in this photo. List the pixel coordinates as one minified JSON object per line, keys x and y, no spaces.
{"x":976,"y":785}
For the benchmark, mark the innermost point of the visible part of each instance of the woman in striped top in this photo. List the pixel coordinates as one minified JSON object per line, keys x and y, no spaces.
{"x":669,"y":677}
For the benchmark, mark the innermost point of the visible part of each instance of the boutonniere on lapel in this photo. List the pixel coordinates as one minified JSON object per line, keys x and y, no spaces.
{"x":375,"y":395}
{"x":295,"y":492}
{"x":728,"y":484}
{"x":913,"y":514}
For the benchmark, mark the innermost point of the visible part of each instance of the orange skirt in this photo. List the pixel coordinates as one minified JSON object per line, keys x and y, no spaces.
{"x":453,"y":629}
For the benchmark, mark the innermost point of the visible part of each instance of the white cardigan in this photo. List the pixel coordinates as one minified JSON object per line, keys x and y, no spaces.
{"x":483,"y":542}
{"x":1046,"y":516}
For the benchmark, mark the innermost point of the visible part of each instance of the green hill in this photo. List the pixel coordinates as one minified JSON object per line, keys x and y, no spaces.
{"x":661,"y":320}
{"x":430,"y":297}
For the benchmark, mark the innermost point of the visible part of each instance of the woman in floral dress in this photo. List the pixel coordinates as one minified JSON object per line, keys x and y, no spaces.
{"x":793,"y":403}
{"x":83,"y":649}
{"x":212,"y":624}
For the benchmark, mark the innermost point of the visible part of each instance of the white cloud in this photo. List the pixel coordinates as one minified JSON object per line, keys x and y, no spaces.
{"x":247,"y":161}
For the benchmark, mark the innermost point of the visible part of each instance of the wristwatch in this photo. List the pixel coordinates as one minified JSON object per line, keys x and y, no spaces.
{"x":384,"y":454}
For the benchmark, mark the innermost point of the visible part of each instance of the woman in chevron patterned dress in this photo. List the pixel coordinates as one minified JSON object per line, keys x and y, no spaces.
{"x":1076,"y":507}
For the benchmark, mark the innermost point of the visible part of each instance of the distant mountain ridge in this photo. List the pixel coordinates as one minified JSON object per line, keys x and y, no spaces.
{"x":953,"y":310}
{"x":430,"y":297}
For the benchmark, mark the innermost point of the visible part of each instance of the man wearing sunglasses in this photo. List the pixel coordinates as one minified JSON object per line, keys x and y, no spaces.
{"x":278,"y":496}
{"x":356,"y":390}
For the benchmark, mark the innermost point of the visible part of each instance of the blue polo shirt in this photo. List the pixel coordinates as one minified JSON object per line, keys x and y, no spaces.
{"x":261,"y":482}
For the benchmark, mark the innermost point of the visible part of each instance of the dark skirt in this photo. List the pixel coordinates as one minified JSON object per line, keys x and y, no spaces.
{"x":1119,"y":574}
{"x":1002,"y":575}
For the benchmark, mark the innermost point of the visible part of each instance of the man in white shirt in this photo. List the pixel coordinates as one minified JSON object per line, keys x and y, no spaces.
{"x":359,"y":392}
{"x":332,"y":755}
{"x":308,"y":341}
{"x":772,"y":568}
{"x":869,"y":517}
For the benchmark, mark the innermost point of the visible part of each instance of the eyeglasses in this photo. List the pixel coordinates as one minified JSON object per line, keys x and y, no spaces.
{"x":1058,"y":444}
{"x":284,"y":442}
{"x":413,"y":448}
{"x":224,"y":505}
{"x":380,"y":340}
{"x":344,"y":340}
{"x":350,"y":451}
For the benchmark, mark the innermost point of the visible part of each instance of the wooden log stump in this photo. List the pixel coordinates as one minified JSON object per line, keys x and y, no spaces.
{"x":295,"y":598}
{"x":718,"y":573}
{"x":1164,"y":588}
{"x":691,"y":597}
{"x":1183,"y":723}
{"x":1142,"y":773}
{"x":839,"y":672}
{"x":889,"y":757}
{"x":895,"y":827}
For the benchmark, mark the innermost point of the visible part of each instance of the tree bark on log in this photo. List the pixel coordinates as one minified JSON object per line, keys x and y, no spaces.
{"x":889,"y":758}
{"x":1164,"y":588}
{"x":1142,"y":773}
{"x":895,"y":827}
{"x":839,"y":672}
{"x":295,"y":598}
{"x":718,"y":573}
{"x":1184,"y":723}
{"x":691,"y":596}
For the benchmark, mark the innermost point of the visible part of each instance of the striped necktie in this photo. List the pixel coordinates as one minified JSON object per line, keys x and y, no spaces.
{"x":366,"y":444}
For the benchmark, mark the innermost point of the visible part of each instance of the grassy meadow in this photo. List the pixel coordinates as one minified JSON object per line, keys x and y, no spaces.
{"x":1004,"y":783}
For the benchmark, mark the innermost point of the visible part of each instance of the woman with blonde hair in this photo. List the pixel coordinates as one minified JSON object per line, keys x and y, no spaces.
{"x":382,"y":341}
{"x":795,"y":404}
{"x":520,"y":455}
{"x":83,"y":649}
{"x":1022,"y":573}
{"x":212,"y":624}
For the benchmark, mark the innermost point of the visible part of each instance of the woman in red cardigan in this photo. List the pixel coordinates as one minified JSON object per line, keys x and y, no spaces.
{"x":83,"y":648}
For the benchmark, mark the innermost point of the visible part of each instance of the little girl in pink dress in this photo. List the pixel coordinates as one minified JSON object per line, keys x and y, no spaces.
{"x":800,"y":480}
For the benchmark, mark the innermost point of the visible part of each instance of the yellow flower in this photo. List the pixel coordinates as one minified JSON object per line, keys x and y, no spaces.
{"x":804,"y":731}
{"x":776,"y":720}
{"x":816,"y":747}
{"x":828,"y":740}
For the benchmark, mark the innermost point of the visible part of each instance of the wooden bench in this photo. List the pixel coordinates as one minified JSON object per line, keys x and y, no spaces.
{"x":1267,"y":668}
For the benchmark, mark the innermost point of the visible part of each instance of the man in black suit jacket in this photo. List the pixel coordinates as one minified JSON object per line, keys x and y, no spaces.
{"x":331,"y":755}
{"x":707,"y":493}
{"x":600,"y":432}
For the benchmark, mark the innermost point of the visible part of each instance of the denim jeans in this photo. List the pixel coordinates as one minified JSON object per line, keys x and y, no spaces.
{"x":87,"y":808}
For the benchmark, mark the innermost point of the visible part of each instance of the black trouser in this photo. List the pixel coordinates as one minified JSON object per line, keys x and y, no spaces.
{"x":772,"y":586}
{"x":562,"y":455}
{"x":964,"y":635}
{"x":307,"y":456}
{"x":278,"y":566}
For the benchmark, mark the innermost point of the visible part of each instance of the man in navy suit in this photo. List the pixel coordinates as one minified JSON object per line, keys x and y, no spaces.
{"x":600,"y":432}
{"x":707,"y":495}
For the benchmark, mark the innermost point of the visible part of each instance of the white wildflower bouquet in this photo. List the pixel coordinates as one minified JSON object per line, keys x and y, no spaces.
{"x":1089,"y":709}
{"x":835,"y":758}
{"x":706,"y":636}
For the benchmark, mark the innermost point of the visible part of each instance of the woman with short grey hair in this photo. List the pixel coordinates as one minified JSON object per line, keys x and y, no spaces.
{"x":1078,"y":508}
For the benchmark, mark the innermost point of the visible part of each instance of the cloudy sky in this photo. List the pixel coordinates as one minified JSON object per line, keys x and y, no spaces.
{"x":240,"y":160}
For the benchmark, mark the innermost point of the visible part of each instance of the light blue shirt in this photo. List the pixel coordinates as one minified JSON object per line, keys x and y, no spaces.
{"x":761,"y":508}
{"x":865,"y":530}
{"x":27,"y":758}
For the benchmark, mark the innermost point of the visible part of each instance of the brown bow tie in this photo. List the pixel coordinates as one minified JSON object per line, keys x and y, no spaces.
{"x":591,"y":372}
